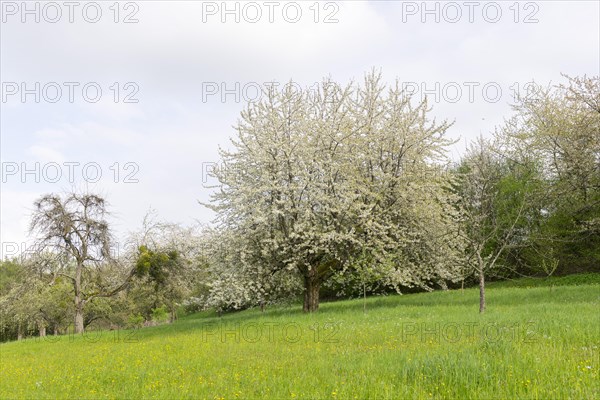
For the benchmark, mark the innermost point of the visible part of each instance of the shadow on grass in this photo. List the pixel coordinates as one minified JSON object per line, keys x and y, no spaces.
{"x":568,"y":280}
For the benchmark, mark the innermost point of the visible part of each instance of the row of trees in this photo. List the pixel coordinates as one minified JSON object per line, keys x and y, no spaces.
{"x":76,"y":275}
{"x":347,"y":188}
{"x":351,"y":185}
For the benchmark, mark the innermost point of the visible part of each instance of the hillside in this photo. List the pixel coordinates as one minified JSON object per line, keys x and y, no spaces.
{"x":538,"y":339}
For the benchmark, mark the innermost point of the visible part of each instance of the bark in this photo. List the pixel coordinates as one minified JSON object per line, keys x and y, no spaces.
{"x":78,"y":317}
{"x":78,"y":300}
{"x":364,"y":298}
{"x":481,"y":291}
{"x":42,"y":329}
{"x":311,"y":294}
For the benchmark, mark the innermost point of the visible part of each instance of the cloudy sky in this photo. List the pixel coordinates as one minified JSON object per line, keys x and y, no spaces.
{"x":133,"y":100}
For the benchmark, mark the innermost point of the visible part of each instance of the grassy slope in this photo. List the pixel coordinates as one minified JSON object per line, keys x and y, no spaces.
{"x":537,"y":342}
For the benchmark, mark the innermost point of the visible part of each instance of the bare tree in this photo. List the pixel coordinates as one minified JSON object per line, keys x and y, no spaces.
{"x":75,"y":226}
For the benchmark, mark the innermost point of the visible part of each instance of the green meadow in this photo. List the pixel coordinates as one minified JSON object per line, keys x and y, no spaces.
{"x":538,"y":339}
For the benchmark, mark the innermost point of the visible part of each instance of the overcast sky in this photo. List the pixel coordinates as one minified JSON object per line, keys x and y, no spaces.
{"x":173,"y":77}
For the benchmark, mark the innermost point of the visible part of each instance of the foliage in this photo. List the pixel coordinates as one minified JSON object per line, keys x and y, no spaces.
{"x":234,"y":284}
{"x":317,"y":178}
{"x":135,"y":321}
{"x":343,"y":188}
{"x":160,"y":314}
{"x":559,"y":126}
{"x":169,"y":266}
{"x":33,"y":298}
{"x":158,"y":266}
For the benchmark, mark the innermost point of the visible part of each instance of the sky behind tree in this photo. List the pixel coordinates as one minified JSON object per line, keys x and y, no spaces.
{"x":133,"y":100}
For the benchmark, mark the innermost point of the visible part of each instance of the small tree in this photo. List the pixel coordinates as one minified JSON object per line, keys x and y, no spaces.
{"x":497,"y":207}
{"x":162,"y":269}
{"x":168,"y":262}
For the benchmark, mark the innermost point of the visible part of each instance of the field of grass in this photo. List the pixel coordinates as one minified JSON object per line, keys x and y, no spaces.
{"x":534,"y":341}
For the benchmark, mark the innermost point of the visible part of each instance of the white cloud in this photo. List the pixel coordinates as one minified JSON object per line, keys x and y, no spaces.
{"x":46,"y":154}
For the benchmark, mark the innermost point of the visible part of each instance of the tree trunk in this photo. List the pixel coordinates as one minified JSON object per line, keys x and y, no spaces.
{"x":311,"y":294}
{"x":55,"y":331}
{"x":78,"y":300}
{"x":364,"y":298}
{"x":19,"y":332}
{"x":481,"y":290}
{"x":79,"y":317}
{"x":42,"y":329}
